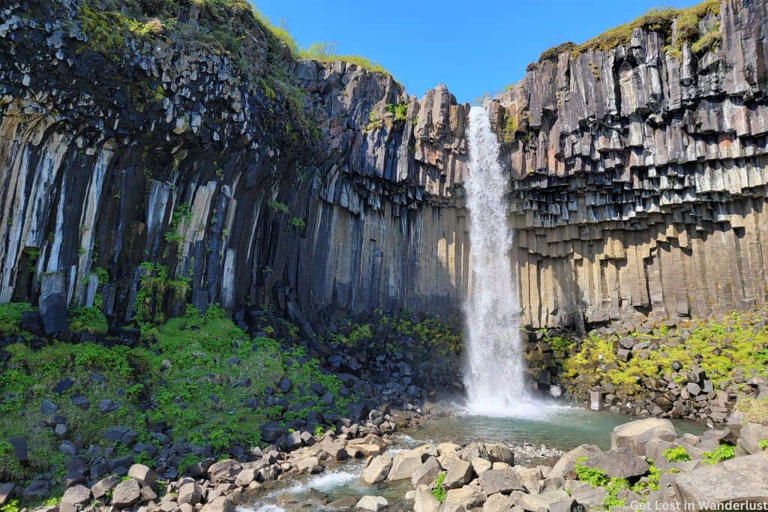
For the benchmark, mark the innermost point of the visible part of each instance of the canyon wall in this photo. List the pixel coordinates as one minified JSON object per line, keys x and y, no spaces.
{"x":639,"y":175}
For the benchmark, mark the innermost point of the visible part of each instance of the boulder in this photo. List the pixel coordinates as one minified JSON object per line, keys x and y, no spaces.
{"x":404,"y":465}
{"x":245,"y":477}
{"x":739,"y":480}
{"x":189,"y":493}
{"x":424,"y":501}
{"x":53,"y":303}
{"x":377,"y":469}
{"x":126,"y":493}
{"x":143,"y":474}
{"x":37,"y":489}
{"x":617,"y":464}
{"x":540,"y":502}
{"x":467,"y":496}
{"x":498,"y":452}
{"x":501,"y":480}
{"x":307,"y":465}
{"x":498,"y":503}
{"x":74,"y":497}
{"x":635,"y":434}
{"x":480,"y":465}
{"x":426,"y":473}
{"x":459,"y":474}
{"x":224,"y":471}
{"x":372,"y":503}
{"x":750,"y":437}
{"x":6,"y":489}
{"x":568,"y":461}
{"x":220,"y":504}
{"x":334,"y":449}
{"x":103,"y":486}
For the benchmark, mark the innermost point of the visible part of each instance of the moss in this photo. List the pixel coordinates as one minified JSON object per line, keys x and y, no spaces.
{"x":89,"y":319}
{"x":10,"y":317}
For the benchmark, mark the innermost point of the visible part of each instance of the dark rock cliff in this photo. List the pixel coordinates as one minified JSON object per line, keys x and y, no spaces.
{"x":238,"y":187}
{"x":640,"y":171}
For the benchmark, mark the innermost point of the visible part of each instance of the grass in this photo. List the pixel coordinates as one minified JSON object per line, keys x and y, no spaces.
{"x":88,"y":319}
{"x":655,"y":20}
{"x":753,"y":410}
{"x":10,"y":316}
{"x":198,"y":378}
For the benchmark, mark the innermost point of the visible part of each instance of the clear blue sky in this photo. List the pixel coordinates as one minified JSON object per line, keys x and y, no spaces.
{"x":473,"y":47}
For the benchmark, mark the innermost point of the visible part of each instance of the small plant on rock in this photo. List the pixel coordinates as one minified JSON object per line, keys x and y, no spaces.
{"x":438,"y":491}
{"x":676,"y":454}
{"x":721,"y":453}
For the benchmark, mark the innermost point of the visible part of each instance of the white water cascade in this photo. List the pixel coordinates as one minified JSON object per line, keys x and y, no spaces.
{"x":494,"y":377}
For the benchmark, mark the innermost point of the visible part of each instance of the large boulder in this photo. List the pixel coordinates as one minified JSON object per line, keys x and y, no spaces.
{"x":500,"y":480}
{"x":459,"y":474}
{"x":143,"y":474}
{"x":498,"y":452}
{"x":224,"y":471}
{"x":498,"y":503}
{"x":5,"y":492}
{"x":425,"y":501}
{"x":404,"y":465}
{"x":618,"y":464}
{"x":468,"y":496}
{"x":739,"y":480}
{"x":372,"y":503}
{"x":74,"y":498}
{"x":426,"y":473}
{"x":751,"y":435}
{"x":334,"y":449}
{"x":635,"y":434}
{"x":220,"y":504}
{"x":377,"y":470}
{"x":568,"y":461}
{"x":53,"y":303}
{"x":190,"y":493}
{"x":126,"y":493}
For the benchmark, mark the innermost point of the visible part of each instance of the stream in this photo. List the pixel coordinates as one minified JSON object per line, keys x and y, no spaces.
{"x":560,"y":427}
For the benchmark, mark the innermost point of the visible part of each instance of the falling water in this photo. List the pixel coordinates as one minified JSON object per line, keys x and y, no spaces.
{"x":494,"y":376}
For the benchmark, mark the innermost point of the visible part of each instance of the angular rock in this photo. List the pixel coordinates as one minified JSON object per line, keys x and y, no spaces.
{"x":103,"y":486}
{"x":372,"y":503}
{"x":404,"y":465}
{"x":467,"y":496}
{"x":458,"y":475}
{"x":635,"y":434}
{"x":738,"y":480}
{"x":334,"y":449}
{"x":74,"y":497}
{"x":617,"y":464}
{"x":190,"y":493}
{"x":427,"y":473}
{"x":503,"y":481}
{"x":377,"y":470}
{"x":220,"y":504}
{"x":424,"y":501}
{"x":6,"y":488}
{"x":143,"y":474}
{"x":126,"y":493}
{"x":751,"y":436}
{"x":568,"y":461}
{"x":224,"y":471}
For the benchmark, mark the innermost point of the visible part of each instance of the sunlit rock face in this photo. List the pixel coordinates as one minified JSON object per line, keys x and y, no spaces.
{"x":639,"y":176}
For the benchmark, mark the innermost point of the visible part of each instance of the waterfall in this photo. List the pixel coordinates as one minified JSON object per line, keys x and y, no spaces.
{"x":494,"y":377}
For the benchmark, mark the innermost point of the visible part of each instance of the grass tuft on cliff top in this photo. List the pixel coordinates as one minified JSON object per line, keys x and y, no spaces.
{"x":656,"y":20}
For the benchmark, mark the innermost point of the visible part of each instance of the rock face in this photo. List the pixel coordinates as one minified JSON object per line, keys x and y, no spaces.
{"x":637,"y":174}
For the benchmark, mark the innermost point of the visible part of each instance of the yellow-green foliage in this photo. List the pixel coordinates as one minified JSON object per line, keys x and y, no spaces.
{"x":89,"y":319}
{"x":753,"y":410}
{"x":10,"y":316}
{"x":719,"y":347}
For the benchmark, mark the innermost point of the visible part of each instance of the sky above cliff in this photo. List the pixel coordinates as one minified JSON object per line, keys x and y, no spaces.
{"x":473,"y":47}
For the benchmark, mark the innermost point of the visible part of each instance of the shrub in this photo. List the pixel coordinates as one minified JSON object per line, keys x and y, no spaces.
{"x":721,"y":453}
{"x":10,"y":316}
{"x":89,"y":319}
{"x":438,"y":491}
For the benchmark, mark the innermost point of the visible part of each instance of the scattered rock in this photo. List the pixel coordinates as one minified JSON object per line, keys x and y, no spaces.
{"x":635,"y":434}
{"x":460,"y":473}
{"x":126,"y":493}
{"x":404,"y":465}
{"x":142,"y":474}
{"x":373,"y":503}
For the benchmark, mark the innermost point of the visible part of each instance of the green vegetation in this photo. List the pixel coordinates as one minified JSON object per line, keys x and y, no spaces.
{"x":400,"y":110}
{"x":763,"y":444}
{"x":721,"y":453}
{"x":676,"y":454}
{"x":182,"y":213}
{"x":753,"y":410}
{"x":326,"y":52}
{"x":438,"y":491}
{"x":156,"y":289}
{"x":598,"y":478}
{"x":656,"y":20}
{"x":720,"y":347}
{"x":10,"y":316}
{"x":197,"y":377}
{"x":89,"y":319}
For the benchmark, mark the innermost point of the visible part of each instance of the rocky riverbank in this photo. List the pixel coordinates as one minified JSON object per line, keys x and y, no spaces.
{"x":648,"y":467}
{"x":658,"y":366}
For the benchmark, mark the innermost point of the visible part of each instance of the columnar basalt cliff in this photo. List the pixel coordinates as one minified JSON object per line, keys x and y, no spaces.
{"x":641,"y":172}
{"x":639,"y":166}
{"x":292,"y":182}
